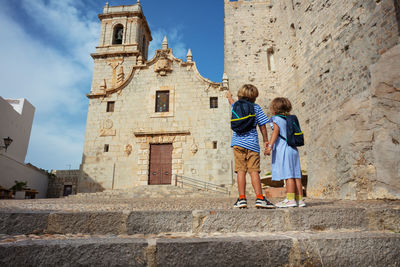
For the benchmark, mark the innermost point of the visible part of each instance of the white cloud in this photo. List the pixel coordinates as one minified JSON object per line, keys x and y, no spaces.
{"x":174,"y":38}
{"x":56,"y":146}
{"x":52,"y":69}
{"x":77,"y":32}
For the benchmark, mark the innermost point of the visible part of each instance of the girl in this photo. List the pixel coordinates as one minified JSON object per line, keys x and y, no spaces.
{"x":285,"y":159}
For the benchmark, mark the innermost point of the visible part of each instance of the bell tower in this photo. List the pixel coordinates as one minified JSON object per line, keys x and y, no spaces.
{"x":124,"y":37}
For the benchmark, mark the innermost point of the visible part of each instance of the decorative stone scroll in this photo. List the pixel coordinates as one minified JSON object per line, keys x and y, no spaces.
{"x":128,"y":149}
{"x":164,"y":64}
{"x":194,"y":148}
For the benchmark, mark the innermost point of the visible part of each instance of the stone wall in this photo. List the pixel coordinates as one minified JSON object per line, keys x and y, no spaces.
{"x":59,"y":180}
{"x":336,"y":61}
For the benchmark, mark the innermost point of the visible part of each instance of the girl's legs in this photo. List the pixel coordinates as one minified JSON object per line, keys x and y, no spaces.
{"x":290,"y":195}
{"x":299,"y":188}
{"x":299,"y":194}
{"x":290,"y":188}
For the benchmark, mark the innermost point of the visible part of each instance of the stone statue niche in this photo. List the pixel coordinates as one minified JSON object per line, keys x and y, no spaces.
{"x":118,"y":34}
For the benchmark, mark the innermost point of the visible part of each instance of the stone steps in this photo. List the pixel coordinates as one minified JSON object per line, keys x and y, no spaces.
{"x":201,"y":221}
{"x":326,"y":233}
{"x":154,"y":191}
{"x":241,"y":249}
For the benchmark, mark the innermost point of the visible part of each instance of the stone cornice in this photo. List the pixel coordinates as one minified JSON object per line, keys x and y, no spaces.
{"x":139,"y":134}
{"x":114,"y":54}
{"x":127,"y":14}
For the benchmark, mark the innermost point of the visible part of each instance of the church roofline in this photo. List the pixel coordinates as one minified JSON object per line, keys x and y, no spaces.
{"x":160,"y":53}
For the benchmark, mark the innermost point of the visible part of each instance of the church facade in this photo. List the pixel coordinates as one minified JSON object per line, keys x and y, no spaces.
{"x":150,"y":119}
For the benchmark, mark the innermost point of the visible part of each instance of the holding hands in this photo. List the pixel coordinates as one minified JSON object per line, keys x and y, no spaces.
{"x":268,"y":148}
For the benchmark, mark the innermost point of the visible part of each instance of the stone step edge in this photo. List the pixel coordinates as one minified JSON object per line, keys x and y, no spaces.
{"x":278,"y":249}
{"x":200,"y":221}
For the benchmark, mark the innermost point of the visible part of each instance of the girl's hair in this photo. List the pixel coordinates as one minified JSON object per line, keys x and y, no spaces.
{"x":248,"y":92}
{"x":281,"y":105}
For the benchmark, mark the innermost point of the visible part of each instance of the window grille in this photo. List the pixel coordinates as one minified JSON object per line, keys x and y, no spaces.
{"x":162,"y":101}
{"x":213,"y":102}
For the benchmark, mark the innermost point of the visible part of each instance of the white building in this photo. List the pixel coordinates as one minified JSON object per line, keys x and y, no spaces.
{"x":16,"y":117}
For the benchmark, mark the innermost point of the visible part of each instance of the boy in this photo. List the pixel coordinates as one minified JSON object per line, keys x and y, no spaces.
{"x":246,"y":150}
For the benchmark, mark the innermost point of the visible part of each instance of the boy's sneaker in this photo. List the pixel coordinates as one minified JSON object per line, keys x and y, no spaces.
{"x":301,"y":203}
{"x":240,"y":203}
{"x":286,"y":203}
{"x":264,"y":204}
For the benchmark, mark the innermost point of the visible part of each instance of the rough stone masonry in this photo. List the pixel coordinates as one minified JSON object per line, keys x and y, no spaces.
{"x":338,"y":61}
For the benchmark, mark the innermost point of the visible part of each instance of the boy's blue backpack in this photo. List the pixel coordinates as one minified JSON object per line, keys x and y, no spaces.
{"x":294,"y":134}
{"x":243,"y":116}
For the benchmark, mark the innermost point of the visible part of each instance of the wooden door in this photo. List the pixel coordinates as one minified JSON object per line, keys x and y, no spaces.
{"x":160,"y":164}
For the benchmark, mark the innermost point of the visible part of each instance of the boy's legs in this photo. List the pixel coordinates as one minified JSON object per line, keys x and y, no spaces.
{"x":241,"y":180}
{"x":261,"y":201}
{"x":239,"y":154}
{"x":256,"y":183}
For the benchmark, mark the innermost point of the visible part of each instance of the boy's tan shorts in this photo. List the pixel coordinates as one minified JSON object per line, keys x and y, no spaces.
{"x":246,"y":160}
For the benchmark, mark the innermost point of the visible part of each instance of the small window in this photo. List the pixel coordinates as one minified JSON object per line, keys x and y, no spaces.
{"x":271,"y":61}
{"x":67,"y":190}
{"x":215,"y":145}
{"x":118,"y":34}
{"x":162,"y":101}
{"x":213,"y":102}
{"x":106,"y":147}
{"x":110,"y":106}
{"x":144,"y":48}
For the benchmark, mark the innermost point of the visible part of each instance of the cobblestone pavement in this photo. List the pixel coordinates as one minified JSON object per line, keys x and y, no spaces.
{"x":160,"y":204}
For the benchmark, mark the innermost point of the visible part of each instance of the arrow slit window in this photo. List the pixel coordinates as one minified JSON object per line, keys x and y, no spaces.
{"x":162,"y":101}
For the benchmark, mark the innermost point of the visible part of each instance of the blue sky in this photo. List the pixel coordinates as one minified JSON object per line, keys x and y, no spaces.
{"x":45,"y":50}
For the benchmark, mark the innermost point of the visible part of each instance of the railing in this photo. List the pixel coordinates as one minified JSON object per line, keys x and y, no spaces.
{"x":182,"y":181}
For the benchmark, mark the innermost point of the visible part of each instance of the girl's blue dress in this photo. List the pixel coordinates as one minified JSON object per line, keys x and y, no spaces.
{"x":285,"y":159}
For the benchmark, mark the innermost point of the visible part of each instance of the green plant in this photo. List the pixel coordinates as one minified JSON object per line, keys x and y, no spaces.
{"x":19,"y":186}
{"x":268,"y":173}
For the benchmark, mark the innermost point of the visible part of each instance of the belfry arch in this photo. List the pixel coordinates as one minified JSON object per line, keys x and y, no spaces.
{"x":118,"y":34}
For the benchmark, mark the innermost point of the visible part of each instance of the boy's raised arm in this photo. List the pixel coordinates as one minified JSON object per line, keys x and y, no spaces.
{"x":229,"y":97}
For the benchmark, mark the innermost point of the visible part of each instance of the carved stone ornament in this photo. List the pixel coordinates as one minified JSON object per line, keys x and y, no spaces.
{"x":108,"y":124}
{"x":163,"y":66}
{"x":194,"y":148}
{"x":128,"y":149}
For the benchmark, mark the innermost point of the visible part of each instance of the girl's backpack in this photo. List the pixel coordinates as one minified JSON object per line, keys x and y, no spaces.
{"x":243,"y":116}
{"x":294,"y":135}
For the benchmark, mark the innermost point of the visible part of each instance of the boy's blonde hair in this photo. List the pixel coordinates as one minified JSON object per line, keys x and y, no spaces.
{"x":248,"y":92}
{"x":281,"y":105}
